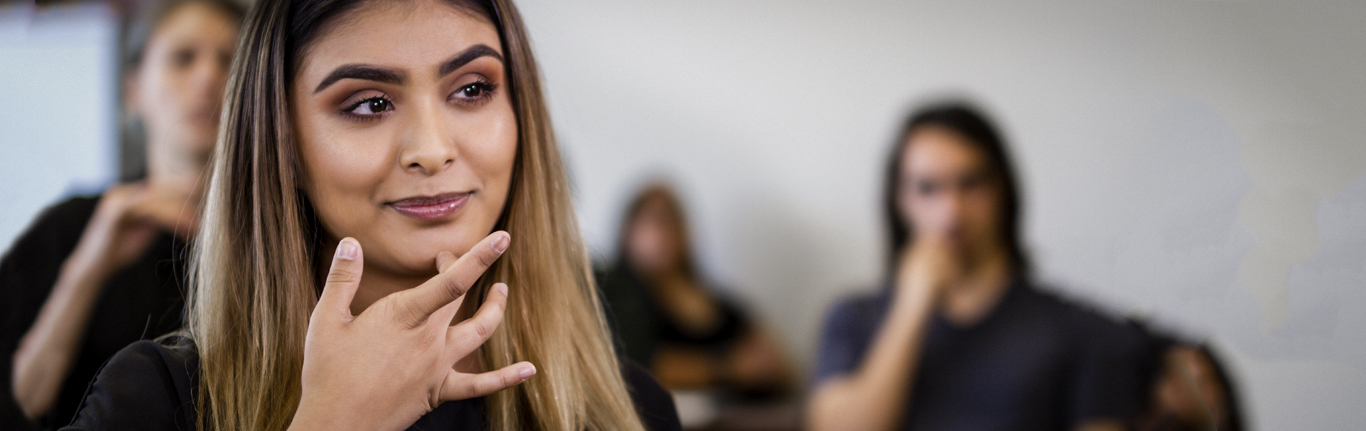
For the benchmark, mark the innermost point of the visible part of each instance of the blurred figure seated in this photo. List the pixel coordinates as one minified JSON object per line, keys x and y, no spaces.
{"x":93,"y":274}
{"x":1190,"y":390}
{"x":958,"y":337}
{"x":665,"y":316}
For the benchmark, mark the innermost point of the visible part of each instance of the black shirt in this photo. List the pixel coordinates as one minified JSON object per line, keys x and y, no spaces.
{"x":1034,"y":363}
{"x":141,"y":301}
{"x":151,"y":386}
{"x":640,"y":325}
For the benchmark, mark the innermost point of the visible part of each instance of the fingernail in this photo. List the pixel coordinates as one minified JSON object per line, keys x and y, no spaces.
{"x":527,"y":371}
{"x":502,"y":288}
{"x":501,"y":244}
{"x":347,"y":249}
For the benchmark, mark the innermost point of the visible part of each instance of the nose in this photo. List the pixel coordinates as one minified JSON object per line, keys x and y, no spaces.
{"x":209,"y":75}
{"x":427,"y":149}
{"x":954,"y":205}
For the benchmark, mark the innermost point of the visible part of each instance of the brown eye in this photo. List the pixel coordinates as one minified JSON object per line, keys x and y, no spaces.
{"x":927,"y":187}
{"x":182,"y":58}
{"x":474,"y":93}
{"x":371,"y":106}
{"x":471,"y":91}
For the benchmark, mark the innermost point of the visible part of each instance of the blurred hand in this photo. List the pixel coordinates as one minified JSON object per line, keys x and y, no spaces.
{"x":384,"y":369}
{"x":927,"y":267}
{"x":119,"y":232}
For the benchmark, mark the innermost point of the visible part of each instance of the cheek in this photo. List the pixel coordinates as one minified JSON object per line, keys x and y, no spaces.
{"x":341,"y":174}
{"x":490,"y":149}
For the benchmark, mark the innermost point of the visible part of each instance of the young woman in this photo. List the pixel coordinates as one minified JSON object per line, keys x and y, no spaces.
{"x":94,"y":274}
{"x":665,"y":316}
{"x":366,"y":145}
{"x":960,"y":337}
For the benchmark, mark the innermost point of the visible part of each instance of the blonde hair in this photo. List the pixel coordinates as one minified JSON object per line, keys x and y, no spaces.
{"x":253,"y":284}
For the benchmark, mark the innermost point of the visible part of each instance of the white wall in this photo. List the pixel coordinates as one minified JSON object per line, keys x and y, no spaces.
{"x":58,"y":126}
{"x":1198,"y":162}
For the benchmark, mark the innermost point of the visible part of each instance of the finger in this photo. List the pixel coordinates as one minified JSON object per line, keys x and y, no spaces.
{"x":342,"y":279}
{"x":444,"y":260}
{"x":467,"y":336}
{"x":460,"y":386}
{"x":452,"y":283}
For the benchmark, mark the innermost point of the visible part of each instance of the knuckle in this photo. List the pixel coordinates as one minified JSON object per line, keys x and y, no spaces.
{"x":408,"y":314}
{"x":342,"y":275}
{"x":454,"y":287}
{"x":485,"y":329}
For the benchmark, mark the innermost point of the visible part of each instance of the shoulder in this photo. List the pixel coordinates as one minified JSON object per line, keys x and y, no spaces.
{"x":653,"y":403}
{"x":857,"y":313}
{"x":147,"y":385}
{"x":56,"y":228}
{"x":65,"y":216}
{"x":1080,"y":316}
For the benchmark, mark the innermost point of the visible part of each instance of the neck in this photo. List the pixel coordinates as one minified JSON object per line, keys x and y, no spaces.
{"x":175,"y":190}
{"x":976,"y":293}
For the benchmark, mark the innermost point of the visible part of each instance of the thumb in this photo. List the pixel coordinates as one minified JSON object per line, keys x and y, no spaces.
{"x":342,"y":279}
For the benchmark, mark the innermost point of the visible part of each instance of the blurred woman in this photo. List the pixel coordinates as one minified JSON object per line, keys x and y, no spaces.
{"x":388,"y":242}
{"x":959,"y":336}
{"x":93,"y":274}
{"x":664,"y":315}
{"x":1190,"y":390}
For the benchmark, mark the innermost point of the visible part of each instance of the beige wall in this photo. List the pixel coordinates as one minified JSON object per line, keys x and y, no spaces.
{"x":1197,"y":162}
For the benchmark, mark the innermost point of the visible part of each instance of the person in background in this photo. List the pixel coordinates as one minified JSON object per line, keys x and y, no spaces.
{"x":1190,"y":390}
{"x":663,"y":314}
{"x":93,"y":274}
{"x":959,"y":338}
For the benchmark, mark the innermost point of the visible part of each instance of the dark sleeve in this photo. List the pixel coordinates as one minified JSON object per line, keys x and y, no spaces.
{"x":146,"y":386}
{"x":1110,"y":382}
{"x":28,"y":272}
{"x":654,"y":404}
{"x":844,"y":339}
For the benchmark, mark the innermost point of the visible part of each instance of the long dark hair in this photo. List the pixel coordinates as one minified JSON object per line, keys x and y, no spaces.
{"x":965,"y":120}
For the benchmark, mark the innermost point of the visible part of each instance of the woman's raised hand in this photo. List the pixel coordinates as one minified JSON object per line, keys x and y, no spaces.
{"x":384,"y":369}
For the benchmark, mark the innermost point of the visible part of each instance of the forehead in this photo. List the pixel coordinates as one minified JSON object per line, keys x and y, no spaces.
{"x":934,"y":150}
{"x":403,"y":34}
{"x":195,"y":21}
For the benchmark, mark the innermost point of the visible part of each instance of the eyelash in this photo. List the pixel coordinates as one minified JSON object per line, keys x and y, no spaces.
{"x":346,"y":111}
{"x":486,"y":92}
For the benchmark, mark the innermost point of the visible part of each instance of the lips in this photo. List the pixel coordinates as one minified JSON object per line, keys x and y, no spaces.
{"x":431,"y":208}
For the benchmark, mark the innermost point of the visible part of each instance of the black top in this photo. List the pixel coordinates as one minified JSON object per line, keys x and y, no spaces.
{"x":141,"y":301}
{"x":640,"y":323}
{"x":152,"y":386}
{"x":1034,"y":363}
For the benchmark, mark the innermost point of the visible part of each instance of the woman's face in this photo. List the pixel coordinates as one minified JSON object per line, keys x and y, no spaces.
{"x":653,"y":240}
{"x":947,"y":191}
{"x":177,"y":88}
{"x":406,"y":131}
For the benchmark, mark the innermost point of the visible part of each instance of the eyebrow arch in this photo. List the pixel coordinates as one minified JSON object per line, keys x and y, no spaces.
{"x":466,"y":56}
{"x":360,"y":71}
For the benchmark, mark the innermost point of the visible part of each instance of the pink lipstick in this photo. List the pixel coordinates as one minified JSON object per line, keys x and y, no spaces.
{"x":431,"y":208}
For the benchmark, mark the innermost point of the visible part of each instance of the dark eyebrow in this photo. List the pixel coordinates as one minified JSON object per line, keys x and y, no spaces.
{"x":360,"y":71}
{"x":466,"y":56}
